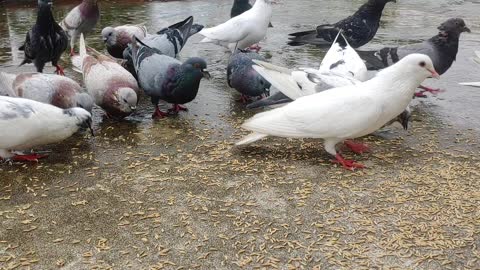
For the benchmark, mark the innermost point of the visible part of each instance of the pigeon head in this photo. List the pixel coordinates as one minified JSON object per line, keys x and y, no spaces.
{"x":453,"y":27}
{"x":126,"y":99}
{"x":109,"y":35}
{"x":84,"y":101}
{"x":82,"y":117}
{"x":198,"y":66}
{"x":418,"y":65}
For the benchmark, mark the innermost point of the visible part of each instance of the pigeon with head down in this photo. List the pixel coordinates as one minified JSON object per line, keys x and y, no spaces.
{"x":81,"y":20}
{"x":117,"y":38}
{"x":39,"y":123}
{"x":112,"y":87}
{"x":242,"y":77}
{"x":46,"y":41}
{"x":359,"y":28}
{"x":341,"y":114}
{"x":165,"y":78}
{"x":56,"y":90}
{"x":441,"y":48}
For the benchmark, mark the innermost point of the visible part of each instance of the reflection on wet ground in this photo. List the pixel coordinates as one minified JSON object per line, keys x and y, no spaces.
{"x":175,"y":194}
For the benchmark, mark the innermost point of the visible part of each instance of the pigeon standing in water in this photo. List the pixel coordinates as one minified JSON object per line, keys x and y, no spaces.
{"x":359,"y":28}
{"x":239,"y":7}
{"x":52,"y":89}
{"x":244,"y":30}
{"x":26,"y":123}
{"x":242,"y":77}
{"x":169,"y":41}
{"x":112,"y":87}
{"x":80,"y":20}
{"x":442,"y":49}
{"x":341,"y":114}
{"x":117,"y":38}
{"x":165,"y":78}
{"x":46,"y":41}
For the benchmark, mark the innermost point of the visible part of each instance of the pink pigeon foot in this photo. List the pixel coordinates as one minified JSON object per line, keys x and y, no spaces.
{"x":427,"y":89}
{"x":159,"y":114}
{"x":357,"y":148}
{"x":255,"y":47}
{"x":59,"y":70}
{"x":30,"y":158}
{"x":347,"y":164}
{"x":177,"y":108}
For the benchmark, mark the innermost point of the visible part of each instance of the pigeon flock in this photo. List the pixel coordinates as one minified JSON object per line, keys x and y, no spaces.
{"x":337,"y":101}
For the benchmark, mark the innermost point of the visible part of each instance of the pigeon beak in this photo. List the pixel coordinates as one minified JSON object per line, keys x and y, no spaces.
{"x":434,"y":74}
{"x":466,"y":29}
{"x":104,"y":40}
{"x":206,"y":74}
{"x":133,"y":108}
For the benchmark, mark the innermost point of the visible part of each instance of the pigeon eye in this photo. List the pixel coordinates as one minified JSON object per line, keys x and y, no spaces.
{"x":422,"y":64}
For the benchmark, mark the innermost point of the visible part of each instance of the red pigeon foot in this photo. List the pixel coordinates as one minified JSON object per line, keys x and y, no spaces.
{"x":255,"y":48}
{"x":159,"y":114}
{"x":428,"y":89}
{"x":30,"y":157}
{"x":177,"y":108}
{"x":59,"y":70}
{"x":357,"y":148}
{"x":347,"y":164}
{"x":244,"y":99}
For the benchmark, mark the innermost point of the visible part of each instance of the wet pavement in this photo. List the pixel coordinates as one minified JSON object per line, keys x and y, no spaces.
{"x":176,"y":194}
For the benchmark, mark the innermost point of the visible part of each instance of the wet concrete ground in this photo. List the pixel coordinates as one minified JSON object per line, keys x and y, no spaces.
{"x":176,"y":194}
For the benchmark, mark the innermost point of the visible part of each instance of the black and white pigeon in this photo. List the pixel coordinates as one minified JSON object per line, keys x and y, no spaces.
{"x":239,"y":7}
{"x":441,"y":48}
{"x":165,"y":78}
{"x":359,"y":28}
{"x":46,"y":41}
{"x":25,"y":124}
{"x":169,"y":41}
{"x":242,"y":77}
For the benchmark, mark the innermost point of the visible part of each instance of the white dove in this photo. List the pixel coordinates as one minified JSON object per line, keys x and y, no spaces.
{"x":244,"y":30}
{"x":349,"y":112}
{"x":477,"y":60}
{"x":26,"y":123}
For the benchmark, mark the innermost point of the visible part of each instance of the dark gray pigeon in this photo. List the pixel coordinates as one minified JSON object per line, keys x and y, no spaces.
{"x":46,"y":41}
{"x":169,"y":41}
{"x":359,"y":28}
{"x":442,"y":49}
{"x":239,"y":7}
{"x":165,"y":78}
{"x":242,"y":77}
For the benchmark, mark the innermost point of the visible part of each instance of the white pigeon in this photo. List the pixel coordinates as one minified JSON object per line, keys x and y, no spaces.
{"x":52,"y":89}
{"x":117,"y":38}
{"x":112,"y":87}
{"x":348,"y":112}
{"x":25,"y":124}
{"x":244,"y":30}
{"x":477,"y":60}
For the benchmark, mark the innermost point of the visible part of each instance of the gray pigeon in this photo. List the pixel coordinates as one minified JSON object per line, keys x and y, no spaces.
{"x":359,"y":28}
{"x":46,"y":41}
{"x":165,"y":78}
{"x":80,"y":20}
{"x":169,"y":41}
{"x":242,"y":77}
{"x":239,"y":7}
{"x":442,"y":49}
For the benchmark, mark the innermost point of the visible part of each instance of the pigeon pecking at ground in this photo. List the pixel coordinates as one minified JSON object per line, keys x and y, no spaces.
{"x":169,"y":41}
{"x":81,"y":20}
{"x":242,"y":77}
{"x":52,"y":89}
{"x":46,"y":41}
{"x":117,"y":38}
{"x":442,"y":49}
{"x":477,"y":60}
{"x":244,"y":30}
{"x":359,"y":28}
{"x":112,"y":87}
{"x":39,"y":123}
{"x":239,"y":7}
{"x":341,"y":114}
{"x":165,"y":78}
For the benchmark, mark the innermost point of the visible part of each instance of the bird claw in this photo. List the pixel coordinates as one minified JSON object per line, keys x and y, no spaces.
{"x":347,"y":164}
{"x":177,"y":108}
{"x":159,"y":114}
{"x":357,"y":148}
{"x":59,"y":70}
{"x":244,"y":99}
{"x":255,"y":47}
{"x":31,"y":157}
{"x":428,"y":89}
